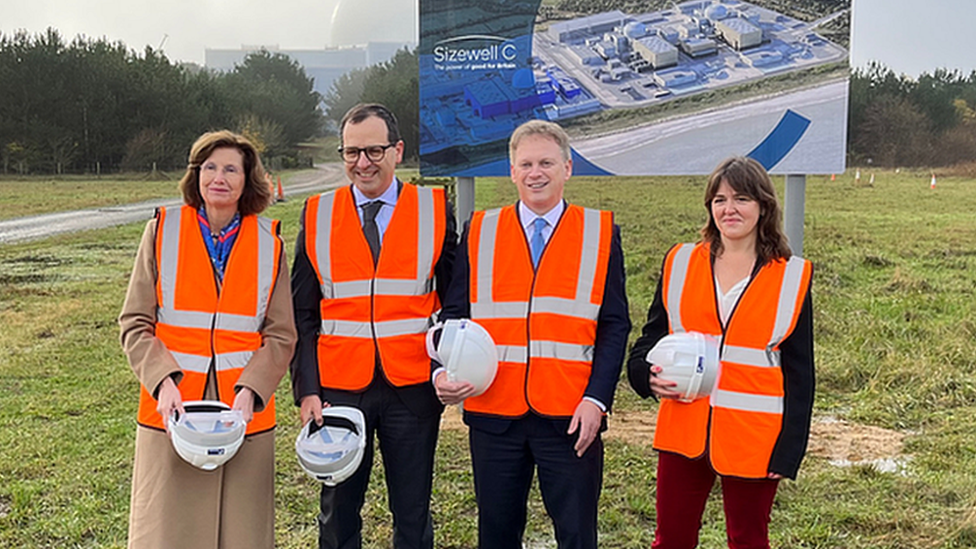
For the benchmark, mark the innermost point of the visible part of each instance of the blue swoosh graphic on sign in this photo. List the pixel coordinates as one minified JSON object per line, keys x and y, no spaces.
{"x":781,"y":140}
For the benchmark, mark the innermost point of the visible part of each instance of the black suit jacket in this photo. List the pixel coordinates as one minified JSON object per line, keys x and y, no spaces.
{"x":306,"y":296}
{"x":613,"y":327}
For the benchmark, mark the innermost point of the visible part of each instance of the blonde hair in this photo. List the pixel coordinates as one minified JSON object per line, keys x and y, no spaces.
{"x":539,"y":127}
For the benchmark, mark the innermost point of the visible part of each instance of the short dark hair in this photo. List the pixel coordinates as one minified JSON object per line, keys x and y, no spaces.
{"x":256,"y":195}
{"x":363,"y":111}
{"x":749,"y":178}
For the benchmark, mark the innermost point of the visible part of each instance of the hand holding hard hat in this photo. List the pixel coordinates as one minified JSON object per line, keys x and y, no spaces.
{"x":468,"y":354}
{"x":332,"y":452}
{"x":686,"y":365}
{"x":207,"y":434}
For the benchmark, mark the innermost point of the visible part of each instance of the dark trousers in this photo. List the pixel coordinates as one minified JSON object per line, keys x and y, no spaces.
{"x":683,"y":486}
{"x":503,"y":467}
{"x":407,"y":442}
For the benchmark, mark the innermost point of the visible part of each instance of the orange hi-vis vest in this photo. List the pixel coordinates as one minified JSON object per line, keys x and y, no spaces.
{"x":386,"y":307}
{"x":543,"y":320}
{"x":742,"y":419}
{"x":202,"y":326}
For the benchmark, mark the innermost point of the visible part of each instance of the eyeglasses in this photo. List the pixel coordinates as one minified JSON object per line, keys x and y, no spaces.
{"x":374,"y":153}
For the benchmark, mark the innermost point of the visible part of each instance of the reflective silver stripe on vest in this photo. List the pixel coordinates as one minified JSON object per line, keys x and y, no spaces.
{"x":506,"y":309}
{"x":201,"y":364}
{"x":169,"y":235}
{"x":588,"y":256}
{"x":388,"y":328}
{"x":561,"y":351}
{"x":384,"y":286}
{"x":486,"y":249}
{"x":426,"y":237}
{"x":520,"y":309}
{"x":582,"y":308}
{"x":676,"y":283}
{"x":192,"y":363}
{"x":323,"y":243}
{"x":204,"y":321}
{"x":230,"y":361}
{"x":747,"y":402}
{"x":512,"y":353}
{"x":788,"y":298}
{"x":266,"y":274}
{"x":751,"y":357}
{"x":545,"y":349}
{"x":166,"y":312}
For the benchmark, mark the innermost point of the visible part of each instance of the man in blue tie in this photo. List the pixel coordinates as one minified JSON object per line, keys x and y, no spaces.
{"x":546,"y":279}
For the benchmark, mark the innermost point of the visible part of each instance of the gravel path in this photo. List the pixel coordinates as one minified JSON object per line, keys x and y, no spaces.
{"x":324,"y":177}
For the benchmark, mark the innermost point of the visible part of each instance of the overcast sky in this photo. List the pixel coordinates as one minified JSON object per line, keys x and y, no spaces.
{"x":908,"y":36}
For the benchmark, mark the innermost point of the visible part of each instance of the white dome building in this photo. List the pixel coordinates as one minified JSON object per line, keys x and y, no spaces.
{"x":357,"y":22}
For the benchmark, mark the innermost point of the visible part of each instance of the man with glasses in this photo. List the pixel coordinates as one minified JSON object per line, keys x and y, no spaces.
{"x":372,"y":262}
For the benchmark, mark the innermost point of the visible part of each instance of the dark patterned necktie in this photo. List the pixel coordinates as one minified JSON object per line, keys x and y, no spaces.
{"x":370,"y":229}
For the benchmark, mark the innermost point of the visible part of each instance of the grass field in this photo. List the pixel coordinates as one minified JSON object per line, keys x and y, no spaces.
{"x":34,"y":195}
{"x":895,"y":317}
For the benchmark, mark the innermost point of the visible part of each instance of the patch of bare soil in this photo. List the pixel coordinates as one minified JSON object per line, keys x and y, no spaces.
{"x":451,"y":419}
{"x":839,"y":441}
{"x":631,"y":427}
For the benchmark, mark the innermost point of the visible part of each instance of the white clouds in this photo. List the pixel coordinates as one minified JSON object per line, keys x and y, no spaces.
{"x":189,"y":26}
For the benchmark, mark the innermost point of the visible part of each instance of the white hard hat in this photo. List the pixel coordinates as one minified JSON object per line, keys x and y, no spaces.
{"x":332,"y":452}
{"x":467,"y":352}
{"x":691,"y":360}
{"x":208,"y":434}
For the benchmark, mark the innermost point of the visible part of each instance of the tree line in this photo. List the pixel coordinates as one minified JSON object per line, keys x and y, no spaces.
{"x":92,"y":105}
{"x":895,"y":120}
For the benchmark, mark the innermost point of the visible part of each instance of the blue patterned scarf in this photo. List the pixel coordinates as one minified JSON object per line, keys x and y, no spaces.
{"x":219,"y":246}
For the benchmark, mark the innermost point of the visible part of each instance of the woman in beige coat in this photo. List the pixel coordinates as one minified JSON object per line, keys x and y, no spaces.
{"x":214,"y":257}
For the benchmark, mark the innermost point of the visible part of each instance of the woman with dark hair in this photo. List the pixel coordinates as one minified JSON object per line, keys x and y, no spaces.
{"x":208,"y":316}
{"x":741,"y":285}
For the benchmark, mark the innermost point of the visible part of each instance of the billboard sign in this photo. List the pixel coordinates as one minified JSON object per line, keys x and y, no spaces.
{"x":665,"y":92}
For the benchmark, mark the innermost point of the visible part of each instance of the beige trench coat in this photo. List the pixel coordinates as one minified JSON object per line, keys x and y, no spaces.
{"x":175,"y":505}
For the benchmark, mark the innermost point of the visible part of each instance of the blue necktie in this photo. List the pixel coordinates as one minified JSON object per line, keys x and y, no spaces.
{"x":537,"y":243}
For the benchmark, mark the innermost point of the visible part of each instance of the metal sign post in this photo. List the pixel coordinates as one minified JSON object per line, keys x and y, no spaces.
{"x":793,"y":214}
{"x":465,"y":201}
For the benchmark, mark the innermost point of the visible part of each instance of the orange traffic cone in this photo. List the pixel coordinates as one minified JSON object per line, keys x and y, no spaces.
{"x":833,"y":176}
{"x":932,"y":184}
{"x":281,"y":192}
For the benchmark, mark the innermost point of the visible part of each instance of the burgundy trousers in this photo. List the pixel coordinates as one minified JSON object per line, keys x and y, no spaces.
{"x":683,"y":486}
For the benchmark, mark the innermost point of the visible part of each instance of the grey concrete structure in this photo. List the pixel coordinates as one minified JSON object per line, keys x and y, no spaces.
{"x":739,"y":33}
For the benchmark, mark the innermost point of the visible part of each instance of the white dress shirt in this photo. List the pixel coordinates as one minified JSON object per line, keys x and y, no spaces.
{"x":527,"y":219}
{"x":389,"y":199}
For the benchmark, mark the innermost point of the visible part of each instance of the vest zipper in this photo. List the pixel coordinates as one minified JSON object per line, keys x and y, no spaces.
{"x":213,"y":335}
{"x":528,"y":324}
{"x":724,"y":325}
{"x":377,"y":362}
